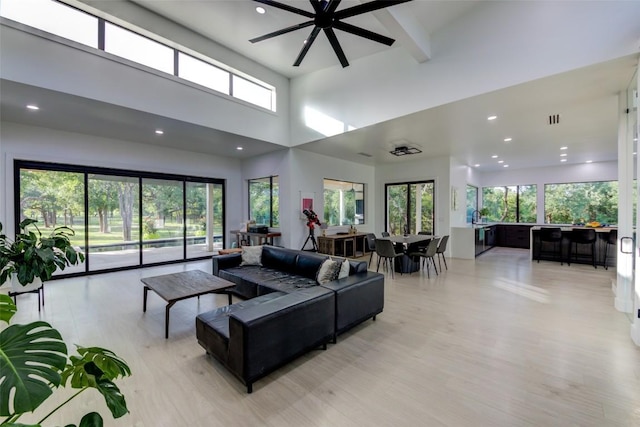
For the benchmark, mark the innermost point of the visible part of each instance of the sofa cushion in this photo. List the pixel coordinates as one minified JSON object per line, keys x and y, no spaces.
{"x":251,"y":255}
{"x":278,"y":258}
{"x":290,"y":283}
{"x":307,"y":264}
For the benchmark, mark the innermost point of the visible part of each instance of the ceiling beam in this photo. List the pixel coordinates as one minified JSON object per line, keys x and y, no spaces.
{"x":407,"y":30}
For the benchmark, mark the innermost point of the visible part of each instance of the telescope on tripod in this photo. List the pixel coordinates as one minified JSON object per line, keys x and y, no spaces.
{"x":312,"y":221}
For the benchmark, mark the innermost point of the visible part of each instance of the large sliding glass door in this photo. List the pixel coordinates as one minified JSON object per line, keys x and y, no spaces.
{"x":123,"y":219}
{"x":113,"y":226}
{"x":410,"y":207}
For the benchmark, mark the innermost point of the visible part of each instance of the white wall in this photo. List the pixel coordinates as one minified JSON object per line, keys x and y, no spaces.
{"x":496,"y":45}
{"x":423,"y":170}
{"x":307,"y":171}
{"x":459,"y":176}
{"x":584,"y":172}
{"x":42,"y":144}
{"x":69,"y":67}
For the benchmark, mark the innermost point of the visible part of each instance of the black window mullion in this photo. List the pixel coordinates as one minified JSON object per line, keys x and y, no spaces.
{"x":140,"y":234}
{"x":101,"y":33}
{"x":176,"y":63}
{"x":271,"y":201}
{"x":230,"y":84}
{"x":184,"y":219}
{"x":86,"y":223}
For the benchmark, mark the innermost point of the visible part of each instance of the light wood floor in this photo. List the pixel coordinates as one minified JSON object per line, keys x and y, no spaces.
{"x":498,"y":342}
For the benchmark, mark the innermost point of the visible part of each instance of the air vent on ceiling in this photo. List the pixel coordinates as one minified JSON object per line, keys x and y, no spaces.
{"x":404,"y":150}
{"x":554,"y":119}
{"x":365,"y":154}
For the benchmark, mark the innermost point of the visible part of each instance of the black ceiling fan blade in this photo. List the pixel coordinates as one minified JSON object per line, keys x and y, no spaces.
{"x":363,"y":33}
{"x":367,"y":7}
{"x":333,"y":5}
{"x":282,"y":31}
{"x":335,"y":44}
{"x":307,"y":45}
{"x":286,"y":7}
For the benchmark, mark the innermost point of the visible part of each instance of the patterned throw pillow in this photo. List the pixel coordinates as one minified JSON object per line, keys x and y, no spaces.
{"x":328,"y":271}
{"x":251,"y":255}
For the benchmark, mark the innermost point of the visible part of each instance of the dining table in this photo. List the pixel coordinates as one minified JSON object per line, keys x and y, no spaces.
{"x":408,"y":243}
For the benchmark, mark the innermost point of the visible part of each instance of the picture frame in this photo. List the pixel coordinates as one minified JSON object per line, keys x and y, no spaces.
{"x":307,"y":201}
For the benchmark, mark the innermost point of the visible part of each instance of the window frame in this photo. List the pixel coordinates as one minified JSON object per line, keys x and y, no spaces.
{"x":517,"y":210}
{"x":408,"y":207}
{"x":574,"y":183}
{"x":355,"y":218}
{"x":271,"y":210}
{"x":19,"y":165}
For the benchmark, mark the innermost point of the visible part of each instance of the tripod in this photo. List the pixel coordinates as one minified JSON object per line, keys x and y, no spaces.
{"x":311,"y":237}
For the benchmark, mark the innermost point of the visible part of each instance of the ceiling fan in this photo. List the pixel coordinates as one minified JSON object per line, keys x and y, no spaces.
{"x":326,"y":18}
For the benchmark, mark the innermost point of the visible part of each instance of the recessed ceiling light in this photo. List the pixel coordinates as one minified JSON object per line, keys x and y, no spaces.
{"x":563,"y":148}
{"x":635,"y":139}
{"x":508,"y":139}
{"x":563,"y":160}
{"x":500,"y":161}
{"x":492,"y":117}
{"x":239,"y":148}
{"x":505,"y":166}
{"x":589,"y":161}
{"x":563,"y":155}
{"x":159,"y":131}
{"x":634,"y":153}
{"x":476,"y":165}
{"x":260,"y":10}
{"x":495,"y":156}
{"x":33,"y":107}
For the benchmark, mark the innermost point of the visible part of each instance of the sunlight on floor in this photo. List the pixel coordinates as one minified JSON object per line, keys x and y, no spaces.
{"x":532,"y":292}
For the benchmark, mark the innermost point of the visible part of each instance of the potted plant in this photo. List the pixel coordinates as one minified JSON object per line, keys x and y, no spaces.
{"x":33,"y":357}
{"x":34,"y":361}
{"x":32,"y":256}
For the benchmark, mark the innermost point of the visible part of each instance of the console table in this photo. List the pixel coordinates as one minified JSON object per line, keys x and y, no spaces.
{"x":346,"y":245}
{"x":263,"y":238}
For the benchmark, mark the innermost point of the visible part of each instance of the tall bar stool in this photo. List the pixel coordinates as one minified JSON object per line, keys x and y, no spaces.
{"x":583,"y":236}
{"x":611,"y":239}
{"x":551,"y":235}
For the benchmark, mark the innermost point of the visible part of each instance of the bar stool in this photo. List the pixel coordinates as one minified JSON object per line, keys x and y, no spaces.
{"x":551,"y":235}
{"x":612,"y":239}
{"x":583,"y":236}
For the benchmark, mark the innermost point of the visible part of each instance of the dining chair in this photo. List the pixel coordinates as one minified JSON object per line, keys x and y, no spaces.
{"x":442,"y":247}
{"x":428,"y":255}
{"x":371,"y":243}
{"x":385,"y":234}
{"x":387,"y":252}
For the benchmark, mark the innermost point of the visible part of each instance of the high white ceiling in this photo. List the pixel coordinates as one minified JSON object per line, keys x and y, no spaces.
{"x":585,"y":99}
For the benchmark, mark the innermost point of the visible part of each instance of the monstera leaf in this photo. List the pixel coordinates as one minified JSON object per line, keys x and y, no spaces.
{"x":97,"y":368}
{"x":31,"y":359}
{"x":7,"y":308}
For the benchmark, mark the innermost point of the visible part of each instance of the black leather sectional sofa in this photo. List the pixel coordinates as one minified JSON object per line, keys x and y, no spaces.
{"x":284,"y":312}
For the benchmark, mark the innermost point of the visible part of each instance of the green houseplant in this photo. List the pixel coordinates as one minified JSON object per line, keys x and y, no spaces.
{"x":33,"y":357}
{"x":31,"y":255}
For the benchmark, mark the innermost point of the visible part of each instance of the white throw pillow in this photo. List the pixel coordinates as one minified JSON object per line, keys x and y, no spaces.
{"x":251,"y":255}
{"x":328,"y":271}
{"x":344,"y":269}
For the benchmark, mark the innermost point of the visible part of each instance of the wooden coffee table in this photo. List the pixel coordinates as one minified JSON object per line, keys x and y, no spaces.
{"x":178,"y":286}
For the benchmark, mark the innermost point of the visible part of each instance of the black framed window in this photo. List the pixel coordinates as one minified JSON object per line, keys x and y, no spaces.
{"x":122,"y":218}
{"x":410,"y":207}
{"x":264,"y":201}
{"x":510,"y":203}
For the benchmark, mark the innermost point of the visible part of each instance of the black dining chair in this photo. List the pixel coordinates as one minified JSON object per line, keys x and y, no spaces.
{"x":371,"y":243}
{"x":551,"y":235}
{"x":582,"y":236}
{"x":428,"y":255}
{"x":611,"y":240}
{"x":442,"y":247}
{"x":386,"y":252}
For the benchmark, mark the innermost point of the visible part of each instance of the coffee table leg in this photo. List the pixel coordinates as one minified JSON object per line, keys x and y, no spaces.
{"x":166,"y":319}
{"x":144,"y":299}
